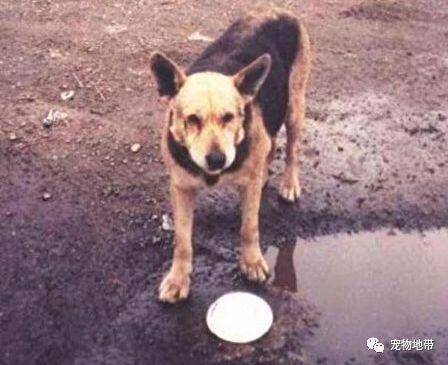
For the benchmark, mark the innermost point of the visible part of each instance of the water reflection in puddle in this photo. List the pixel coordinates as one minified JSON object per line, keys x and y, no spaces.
{"x":381,"y":284}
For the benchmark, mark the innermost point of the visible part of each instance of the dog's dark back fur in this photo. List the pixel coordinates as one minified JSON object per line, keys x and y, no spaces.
{"x":240,"y":45}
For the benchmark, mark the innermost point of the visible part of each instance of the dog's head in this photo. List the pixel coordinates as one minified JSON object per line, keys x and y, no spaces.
{"x":207,"y":109}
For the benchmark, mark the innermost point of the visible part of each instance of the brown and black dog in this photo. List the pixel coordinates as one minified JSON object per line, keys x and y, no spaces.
{"x":223,"y":116}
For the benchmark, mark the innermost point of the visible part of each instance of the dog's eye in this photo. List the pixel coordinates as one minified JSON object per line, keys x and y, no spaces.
{"x":193,"y":119}
{"x":228,"y":117}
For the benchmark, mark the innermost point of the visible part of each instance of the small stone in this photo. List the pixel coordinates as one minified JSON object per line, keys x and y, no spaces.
{"x":47,"y":123}
{"x":27,"y":97}
{"x":136,"y":147}
{"x":53,"y":117}
{"x":115,"y":28}
{"x":55,"y":53}
{"x":67,"y":95}
{"x":46,"y":196}
{"x":167,"y":224}
{"x":197,"y":36}
{"x":12,"y":137}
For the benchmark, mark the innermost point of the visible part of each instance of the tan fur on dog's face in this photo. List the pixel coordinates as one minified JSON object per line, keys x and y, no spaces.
{"x":207,"y":116}
{"x":207,"y":108}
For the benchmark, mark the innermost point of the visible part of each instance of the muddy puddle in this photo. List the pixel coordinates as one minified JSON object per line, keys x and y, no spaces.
{"x":386,"y":284}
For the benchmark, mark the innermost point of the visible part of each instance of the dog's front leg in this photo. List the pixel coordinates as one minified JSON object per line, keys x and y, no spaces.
{"x":252,"y":262}
{"x":176,"y":284}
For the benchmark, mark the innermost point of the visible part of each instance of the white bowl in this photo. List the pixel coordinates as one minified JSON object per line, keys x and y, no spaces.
{"x":239,"y":317}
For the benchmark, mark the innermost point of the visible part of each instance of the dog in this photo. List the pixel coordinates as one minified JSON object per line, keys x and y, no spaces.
{"x":223,"y":114}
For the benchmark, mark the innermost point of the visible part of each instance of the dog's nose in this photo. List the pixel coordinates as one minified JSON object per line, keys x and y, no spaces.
{"x":215,"y":160}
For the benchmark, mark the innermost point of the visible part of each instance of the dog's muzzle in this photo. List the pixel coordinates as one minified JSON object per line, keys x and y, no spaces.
{"x":215,"y":160}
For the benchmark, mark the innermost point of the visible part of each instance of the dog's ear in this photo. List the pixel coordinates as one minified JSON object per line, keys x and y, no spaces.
{"x":248,"y":81}
{"x":168,"y":76}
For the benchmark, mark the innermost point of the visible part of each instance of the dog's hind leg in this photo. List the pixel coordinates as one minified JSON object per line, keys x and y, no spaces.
{"x":289,"y":188}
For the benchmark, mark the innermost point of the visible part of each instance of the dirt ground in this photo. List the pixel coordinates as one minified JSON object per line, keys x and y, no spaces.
{"x":81,"y":239}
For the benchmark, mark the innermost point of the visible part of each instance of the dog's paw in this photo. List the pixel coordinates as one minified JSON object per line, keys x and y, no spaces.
{"x":255,"y":269}
{"x":174,"y":287}
{"x":289,"y":189}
